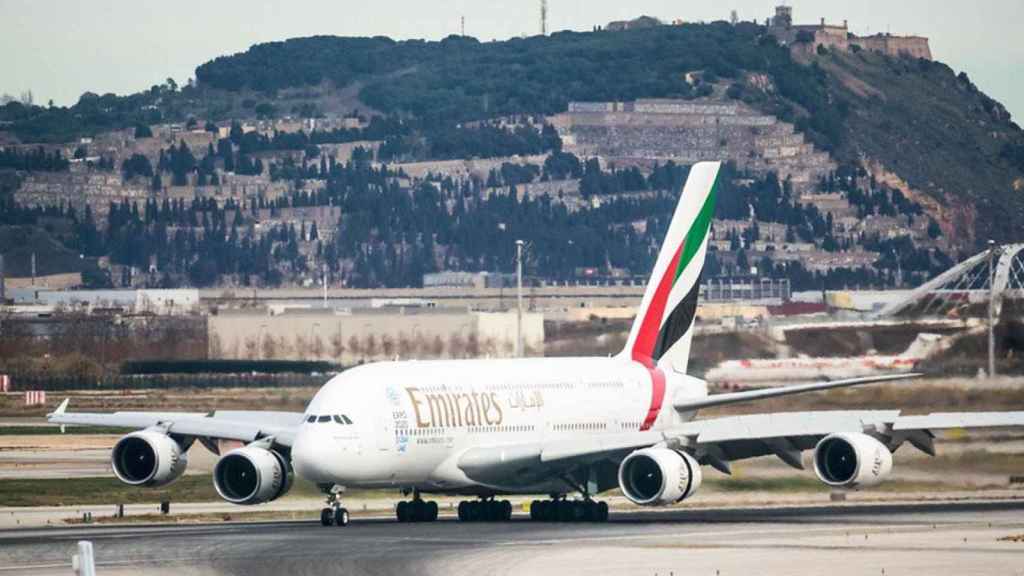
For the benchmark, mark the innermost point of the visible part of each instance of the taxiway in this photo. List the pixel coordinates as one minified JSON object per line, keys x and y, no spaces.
{"x":961,"y":538}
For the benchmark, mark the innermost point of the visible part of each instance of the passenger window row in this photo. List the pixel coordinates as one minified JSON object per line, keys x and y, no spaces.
{"x":581,"y":426}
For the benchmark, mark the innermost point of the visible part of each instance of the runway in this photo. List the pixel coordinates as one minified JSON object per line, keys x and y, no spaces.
{"x":957,"y":538}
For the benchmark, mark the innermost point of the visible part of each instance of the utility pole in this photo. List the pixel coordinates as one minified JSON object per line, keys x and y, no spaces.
{"x":325,"y":283}
{"x":33,"y":268}
{"x":3,"y":278}
{"x":991,"y":309}
{"x":519,"y":298}
{"x":462,"y":26}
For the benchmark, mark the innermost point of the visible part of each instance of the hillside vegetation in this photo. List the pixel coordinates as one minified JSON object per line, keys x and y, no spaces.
{"x":918,"y":120}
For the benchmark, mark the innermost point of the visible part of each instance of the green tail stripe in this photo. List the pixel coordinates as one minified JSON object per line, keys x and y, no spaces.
{"x":695,"y":237}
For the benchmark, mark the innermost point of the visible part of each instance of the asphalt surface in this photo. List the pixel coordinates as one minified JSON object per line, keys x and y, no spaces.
{"x":961,"y":538}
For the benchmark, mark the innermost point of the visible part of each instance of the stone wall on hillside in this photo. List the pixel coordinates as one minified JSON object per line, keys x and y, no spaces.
{"x":689,"y":131}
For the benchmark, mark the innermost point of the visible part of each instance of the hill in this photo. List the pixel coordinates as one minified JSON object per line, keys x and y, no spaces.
{"x":262,"y":170}
{"x":913,"y":123}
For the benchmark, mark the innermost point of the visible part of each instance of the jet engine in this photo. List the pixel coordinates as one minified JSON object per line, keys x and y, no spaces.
{"x":148,"y":458}
{"x":851,"y":460}
{"x":252,"y":475}
{"x":659,"y":476}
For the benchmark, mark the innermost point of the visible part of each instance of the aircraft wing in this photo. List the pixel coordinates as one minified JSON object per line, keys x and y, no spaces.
{"x":718,"y":441}
{"x":222,"y":424}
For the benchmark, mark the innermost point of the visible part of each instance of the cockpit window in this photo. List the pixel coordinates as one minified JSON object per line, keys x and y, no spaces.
{"x":337,"y":418}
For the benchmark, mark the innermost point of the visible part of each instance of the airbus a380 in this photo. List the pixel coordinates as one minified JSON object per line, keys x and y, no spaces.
{"x":552,"y":426}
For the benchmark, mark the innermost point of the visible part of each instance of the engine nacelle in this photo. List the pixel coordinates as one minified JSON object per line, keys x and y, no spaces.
{"x":851,"y":460}
{"x":659,"y":476}
{"x":252,"y":475}
{"x":148,"y":458}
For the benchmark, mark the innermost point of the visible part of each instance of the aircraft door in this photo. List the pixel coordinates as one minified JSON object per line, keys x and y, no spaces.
{"x":385,"y":433}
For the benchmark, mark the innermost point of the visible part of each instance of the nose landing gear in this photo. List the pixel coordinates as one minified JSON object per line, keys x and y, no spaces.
{"x":334,"y":514}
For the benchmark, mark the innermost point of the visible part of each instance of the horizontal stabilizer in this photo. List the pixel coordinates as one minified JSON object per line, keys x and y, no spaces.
{"x":691,"y":404}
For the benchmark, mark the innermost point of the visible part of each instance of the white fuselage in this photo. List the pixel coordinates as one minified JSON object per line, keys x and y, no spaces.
{"x":412,"y":421}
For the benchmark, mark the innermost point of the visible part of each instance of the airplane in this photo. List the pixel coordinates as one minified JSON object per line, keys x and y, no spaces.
{"x":559,"y":427}
{"x":804,"y":368}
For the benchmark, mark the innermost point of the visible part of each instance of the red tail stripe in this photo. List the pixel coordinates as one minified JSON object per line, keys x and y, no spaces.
{"x":647,"y":337}
{"x":657,"y":397}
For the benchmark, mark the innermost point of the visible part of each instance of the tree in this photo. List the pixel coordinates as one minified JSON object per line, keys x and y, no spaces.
{"x":142,"y":131}
{"x":137,"y":165}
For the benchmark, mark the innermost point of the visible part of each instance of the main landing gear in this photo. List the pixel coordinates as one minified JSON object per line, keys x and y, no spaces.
{"x":562,"y":510}
{"x":485,"y":510}
{"x":334,"y":514}
{"x":416,"y":510}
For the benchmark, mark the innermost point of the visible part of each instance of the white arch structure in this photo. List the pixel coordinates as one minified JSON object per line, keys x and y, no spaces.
{"x":967,"y":283}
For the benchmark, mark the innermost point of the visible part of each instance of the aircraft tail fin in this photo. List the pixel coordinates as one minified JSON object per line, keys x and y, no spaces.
{"x":923,"y":346}
{"x":663,"y":327}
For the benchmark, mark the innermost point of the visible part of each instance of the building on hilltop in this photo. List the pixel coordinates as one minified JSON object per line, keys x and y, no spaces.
{"x":807,"y":38}
{"x":635,"y":24}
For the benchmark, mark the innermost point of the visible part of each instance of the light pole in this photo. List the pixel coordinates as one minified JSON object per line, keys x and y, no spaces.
{"x":991,"y":309}
{"x":519,"y":298}
{"x":325,"y":283}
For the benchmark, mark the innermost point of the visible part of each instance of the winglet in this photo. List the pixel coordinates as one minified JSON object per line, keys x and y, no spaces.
{"x":60,"y":409}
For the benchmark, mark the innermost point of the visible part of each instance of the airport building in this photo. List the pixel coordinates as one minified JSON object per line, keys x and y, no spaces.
{"x":351,"y":336}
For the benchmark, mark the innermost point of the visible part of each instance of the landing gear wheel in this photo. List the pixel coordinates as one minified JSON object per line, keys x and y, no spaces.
{"x":340,"y":517}
{"x":601,"y":512}
{"x":463,"y":511}
{"x":417,"y":510}
{"x":506,"y":511}
{"x":326,"y":517}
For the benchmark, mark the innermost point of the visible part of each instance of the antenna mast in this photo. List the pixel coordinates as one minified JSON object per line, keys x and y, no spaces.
{"x":543,"y":17}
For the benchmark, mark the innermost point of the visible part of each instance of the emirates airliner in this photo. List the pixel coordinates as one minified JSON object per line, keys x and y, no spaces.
{"x":566,"y":429}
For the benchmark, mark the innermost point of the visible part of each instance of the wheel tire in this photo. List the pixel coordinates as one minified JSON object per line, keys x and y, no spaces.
{"x":545,"y":510}
{"x":402,"y":511}
{"x":602,"y":512}
{"x":506,"y":510}
{"x":417,"y":511}
{"x":535,"y":510}
{"x":341,"y":517}
{"x":565,"y":511}
{"x":579,"y":511}
{"x":326,"y":517}
{"x":589,"y":511}
{"x":463,"y":511}
{"x":431,"y":511}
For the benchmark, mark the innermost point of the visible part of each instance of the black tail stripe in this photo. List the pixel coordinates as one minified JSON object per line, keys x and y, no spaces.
{"x":678,"y":323}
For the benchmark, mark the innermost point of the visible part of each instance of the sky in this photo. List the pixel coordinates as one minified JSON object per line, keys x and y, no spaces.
{"x":59,"y":49}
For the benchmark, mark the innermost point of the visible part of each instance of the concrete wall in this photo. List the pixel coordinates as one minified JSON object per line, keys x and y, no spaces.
{"x":367,"y":335}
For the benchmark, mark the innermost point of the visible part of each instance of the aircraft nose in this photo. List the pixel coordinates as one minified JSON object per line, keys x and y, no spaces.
{"x":309,"y":457}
